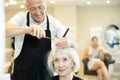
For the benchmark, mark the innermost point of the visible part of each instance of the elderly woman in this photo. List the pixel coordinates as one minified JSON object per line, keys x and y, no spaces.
{"x":64,"y":62}
{"x":96,"y":56}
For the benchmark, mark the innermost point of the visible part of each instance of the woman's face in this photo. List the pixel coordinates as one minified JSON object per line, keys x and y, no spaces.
{"x":63,"y":64}
{"x":36,"y":9}
{"x":95,"y":42}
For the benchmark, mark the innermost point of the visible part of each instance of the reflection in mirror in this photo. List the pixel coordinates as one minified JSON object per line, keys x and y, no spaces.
{"x":112,"y":36}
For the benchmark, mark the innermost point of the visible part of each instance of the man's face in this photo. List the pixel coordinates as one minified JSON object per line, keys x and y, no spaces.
{"x":36,"y":9}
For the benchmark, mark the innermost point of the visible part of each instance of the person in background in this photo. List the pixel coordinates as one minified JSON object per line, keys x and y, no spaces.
{"x":65,"y":63}
{"x":35,"y":34}
{"x":111,"y":36}
{"x":95,"y":54}
{"x":118,"y":37}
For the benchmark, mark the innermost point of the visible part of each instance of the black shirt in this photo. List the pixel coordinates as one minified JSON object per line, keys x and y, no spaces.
{"x":57,"y":78}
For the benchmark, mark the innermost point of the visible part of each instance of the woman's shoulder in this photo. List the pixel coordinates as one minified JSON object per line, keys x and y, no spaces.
{"x":57,"y":78}
{"x":54,"y":78}
{"x":100,"y":48}
{"x":77,"y":78}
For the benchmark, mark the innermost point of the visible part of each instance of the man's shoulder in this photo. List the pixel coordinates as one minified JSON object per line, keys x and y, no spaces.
{"x":19,"y":15}
{"x":53,"y":19}
{"x":22,"y":12}
{"x":18,"y":18}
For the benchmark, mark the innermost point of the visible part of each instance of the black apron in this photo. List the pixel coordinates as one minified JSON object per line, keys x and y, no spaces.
{"x":31,"y":64}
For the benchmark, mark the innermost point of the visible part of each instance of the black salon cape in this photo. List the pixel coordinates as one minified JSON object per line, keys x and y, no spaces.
{"x":57,"y":78}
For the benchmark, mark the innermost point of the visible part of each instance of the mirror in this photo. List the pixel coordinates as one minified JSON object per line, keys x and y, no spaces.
{"x":111,"y":37}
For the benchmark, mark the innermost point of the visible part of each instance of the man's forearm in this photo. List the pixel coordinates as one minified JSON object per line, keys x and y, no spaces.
{"x":12,"y":30}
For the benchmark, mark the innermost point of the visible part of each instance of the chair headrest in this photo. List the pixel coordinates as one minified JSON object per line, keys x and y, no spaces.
{"x":107,"y":56}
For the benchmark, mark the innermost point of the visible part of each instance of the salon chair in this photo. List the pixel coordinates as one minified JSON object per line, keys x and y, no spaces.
{"x":107,"y":60}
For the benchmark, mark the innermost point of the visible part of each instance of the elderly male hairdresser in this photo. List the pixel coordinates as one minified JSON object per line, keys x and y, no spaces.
{"x":35,"y":33}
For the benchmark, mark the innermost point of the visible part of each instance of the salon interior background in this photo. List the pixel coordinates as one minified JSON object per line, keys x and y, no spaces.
{"x":80,"y":15}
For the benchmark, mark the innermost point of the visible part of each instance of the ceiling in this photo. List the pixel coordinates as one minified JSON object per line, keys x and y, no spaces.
{"x":84,"y":2}
{"x":73,"y":2}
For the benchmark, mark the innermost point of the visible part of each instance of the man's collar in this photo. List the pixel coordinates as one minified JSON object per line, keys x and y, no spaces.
{"x":33,"y":21}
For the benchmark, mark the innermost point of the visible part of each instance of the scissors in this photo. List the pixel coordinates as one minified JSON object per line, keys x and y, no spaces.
{"x":62,"y":36}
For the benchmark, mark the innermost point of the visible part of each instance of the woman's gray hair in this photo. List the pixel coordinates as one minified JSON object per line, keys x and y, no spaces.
{"x":71,"y":52}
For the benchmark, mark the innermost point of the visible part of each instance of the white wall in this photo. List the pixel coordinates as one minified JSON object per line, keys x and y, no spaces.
{"x":67,"y":15}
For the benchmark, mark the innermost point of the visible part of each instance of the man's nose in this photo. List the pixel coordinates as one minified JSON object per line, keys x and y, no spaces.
{"x":37,"y":11}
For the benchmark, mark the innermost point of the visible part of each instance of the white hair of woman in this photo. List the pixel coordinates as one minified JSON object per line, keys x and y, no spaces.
{"x":72,"y":54}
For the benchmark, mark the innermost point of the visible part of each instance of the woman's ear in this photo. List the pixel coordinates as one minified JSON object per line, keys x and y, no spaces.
{"x":73,"y":64}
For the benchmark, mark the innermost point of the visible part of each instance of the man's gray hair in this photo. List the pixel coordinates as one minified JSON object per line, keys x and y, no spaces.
{"x":43,"y":1}
{"x":27,"y":0}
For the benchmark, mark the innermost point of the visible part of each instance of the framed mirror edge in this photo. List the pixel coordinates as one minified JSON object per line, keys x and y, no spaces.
{"x":107,"y":48}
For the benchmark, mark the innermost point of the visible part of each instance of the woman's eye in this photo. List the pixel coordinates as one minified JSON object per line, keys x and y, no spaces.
{"x":65,"y":59}
{"x":56,"y":60}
